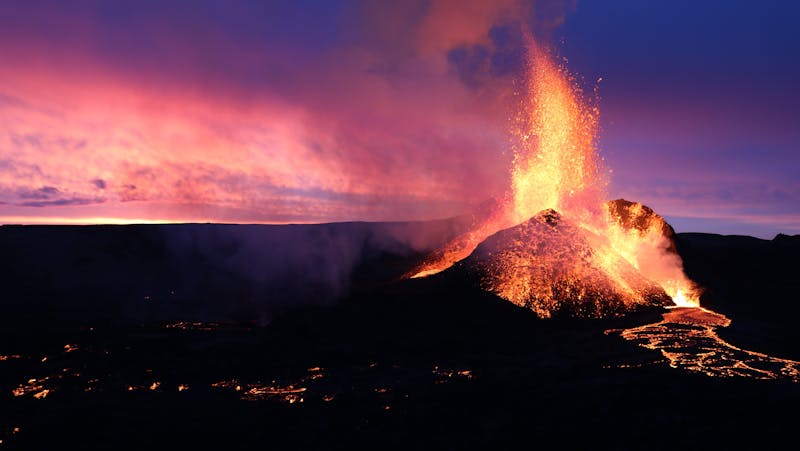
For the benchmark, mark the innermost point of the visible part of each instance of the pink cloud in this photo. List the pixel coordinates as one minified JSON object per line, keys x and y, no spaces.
{"x":340,"y":142}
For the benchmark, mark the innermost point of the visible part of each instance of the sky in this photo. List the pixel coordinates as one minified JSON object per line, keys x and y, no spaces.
{"x":321,"y":111}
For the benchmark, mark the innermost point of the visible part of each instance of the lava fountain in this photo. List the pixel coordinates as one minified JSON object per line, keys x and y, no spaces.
{"x":561,"y":243}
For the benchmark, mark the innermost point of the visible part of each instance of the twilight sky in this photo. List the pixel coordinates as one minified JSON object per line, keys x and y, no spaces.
{"x":316,"y":111}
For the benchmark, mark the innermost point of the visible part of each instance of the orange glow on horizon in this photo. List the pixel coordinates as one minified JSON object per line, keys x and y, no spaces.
{"x":42,"y":220}
{"x":39,"y":220}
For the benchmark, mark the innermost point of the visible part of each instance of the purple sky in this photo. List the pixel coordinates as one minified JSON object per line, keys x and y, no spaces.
{"x":312,"y":111}
{"x":699,"y":108}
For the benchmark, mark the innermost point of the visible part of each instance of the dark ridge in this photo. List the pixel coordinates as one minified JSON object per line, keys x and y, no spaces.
{"x":202,"y":271}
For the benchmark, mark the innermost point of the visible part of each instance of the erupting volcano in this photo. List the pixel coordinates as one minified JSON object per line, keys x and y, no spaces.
{"x":351,"y":224}
{"x":553,"y":243}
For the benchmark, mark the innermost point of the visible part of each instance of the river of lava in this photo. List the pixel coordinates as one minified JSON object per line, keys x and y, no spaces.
{"x":688,"y":340}
{"x":556,"y":167}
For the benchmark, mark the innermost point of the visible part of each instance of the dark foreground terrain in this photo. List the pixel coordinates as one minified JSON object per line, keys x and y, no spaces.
{"x":131,"y":338}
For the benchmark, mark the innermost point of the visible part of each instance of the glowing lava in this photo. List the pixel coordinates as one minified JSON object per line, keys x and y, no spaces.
{"x":680,"y":300}
{"x":555,"y":160}
{"x":687,"y":339}
{"x":556,"y":168}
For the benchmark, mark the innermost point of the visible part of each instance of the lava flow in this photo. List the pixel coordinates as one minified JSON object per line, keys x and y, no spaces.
{"x":687,"y":339}
{"x":596,"y":251}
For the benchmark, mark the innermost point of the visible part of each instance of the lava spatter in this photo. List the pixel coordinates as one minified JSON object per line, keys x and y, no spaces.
{"x":601,"y":257}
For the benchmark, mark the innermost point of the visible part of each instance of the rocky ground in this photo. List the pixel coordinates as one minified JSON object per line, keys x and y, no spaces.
{"x":428,"y":363}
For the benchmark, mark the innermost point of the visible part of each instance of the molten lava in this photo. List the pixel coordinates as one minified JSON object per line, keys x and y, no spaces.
{"x":687,"y":339}
{"x":555,"y":162}
{"x":598,"y":256}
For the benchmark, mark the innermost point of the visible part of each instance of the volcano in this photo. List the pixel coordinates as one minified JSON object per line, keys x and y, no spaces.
{"x":552,"y":266}
{"x":555,"y":266}
{"x":553,"y":243}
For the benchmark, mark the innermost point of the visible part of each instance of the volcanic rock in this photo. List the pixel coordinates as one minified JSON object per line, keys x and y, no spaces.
{"x":633,"y":215}
{"x":555,"y":268}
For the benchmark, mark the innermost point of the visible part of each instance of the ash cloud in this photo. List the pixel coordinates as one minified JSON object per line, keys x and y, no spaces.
{"x":44,"y":192}
{"x":64,"y":201}
{"x":45,"y":196}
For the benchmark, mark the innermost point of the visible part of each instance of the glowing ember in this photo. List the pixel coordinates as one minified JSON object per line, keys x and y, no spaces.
{"x":195,"y":325}
{"x":42,"y":394}
{"x":228,"y":384}
{"x":604,"y":253}
{"x":445,"y":375}
{"x":290,"y":393}
{"x":35,"y":387}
